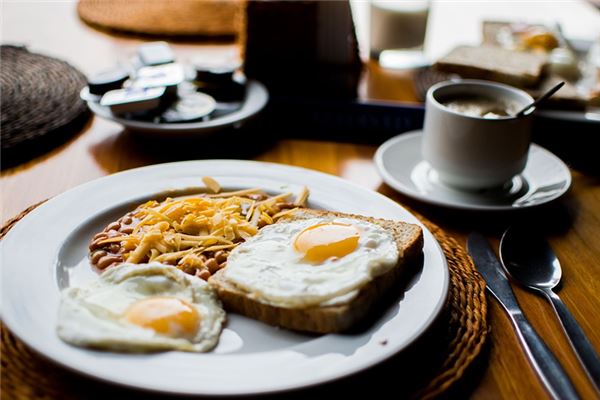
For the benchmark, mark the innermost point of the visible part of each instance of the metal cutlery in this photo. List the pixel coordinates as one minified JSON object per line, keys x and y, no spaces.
{"x":531,"y":262}
{"x":546,"y":366}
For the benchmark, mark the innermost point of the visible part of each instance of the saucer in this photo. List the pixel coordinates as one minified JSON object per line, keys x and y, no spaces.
{"x":226,"y":115}
{"x":400,"y":164}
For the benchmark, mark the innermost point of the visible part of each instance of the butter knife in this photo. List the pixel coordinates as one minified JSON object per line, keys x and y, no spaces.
{"x":546,"y":366}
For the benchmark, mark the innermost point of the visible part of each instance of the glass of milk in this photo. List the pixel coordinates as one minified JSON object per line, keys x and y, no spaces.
{"x":397,"y":32}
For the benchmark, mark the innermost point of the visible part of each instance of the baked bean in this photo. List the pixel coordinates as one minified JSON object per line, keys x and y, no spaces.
{"x":223,"y":265}
{"x":114,"y":248}
{"x":100,"y":236}
{"x":188,"y":269}
{"x":126,"y":220}
{"x":115,"y":226}
{"x":203,"y":274}
{"x":212,"y":265}
{"x":97,"y":255}
{"x":107,"y":261}
{"x":220,"y":256}
{"x":128,"y":230}
{"x":95,"y":245}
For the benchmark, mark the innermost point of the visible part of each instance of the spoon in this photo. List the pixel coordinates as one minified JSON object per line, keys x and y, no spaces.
{"x":530,"y":261}
{"x":540,"y":99}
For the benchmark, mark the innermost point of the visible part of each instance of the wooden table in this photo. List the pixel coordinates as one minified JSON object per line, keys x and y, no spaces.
{"x":572,"y":224}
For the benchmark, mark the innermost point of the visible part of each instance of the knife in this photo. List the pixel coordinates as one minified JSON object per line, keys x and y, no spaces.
{"x":546,"y":366}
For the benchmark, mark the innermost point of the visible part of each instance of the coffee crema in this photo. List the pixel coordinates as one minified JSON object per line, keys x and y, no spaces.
{"x":482,"y":107}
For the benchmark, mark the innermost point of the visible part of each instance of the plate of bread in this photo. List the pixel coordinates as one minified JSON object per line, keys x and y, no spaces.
{"x":220,"y":277}
{"x":533,"y":57}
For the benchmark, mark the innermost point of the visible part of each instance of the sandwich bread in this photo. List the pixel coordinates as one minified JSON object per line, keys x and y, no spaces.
{"x":327,"y":316}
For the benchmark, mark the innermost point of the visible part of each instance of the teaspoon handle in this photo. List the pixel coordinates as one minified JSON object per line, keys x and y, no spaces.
{"x":579,"y":341}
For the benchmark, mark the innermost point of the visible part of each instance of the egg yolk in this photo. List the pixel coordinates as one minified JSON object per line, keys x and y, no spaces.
{"x":168,"y":316}
{"x":322,"y":241}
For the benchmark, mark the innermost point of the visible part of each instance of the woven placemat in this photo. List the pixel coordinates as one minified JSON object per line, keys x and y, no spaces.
{"x":26,"y":375}
{"x":165,"y":18}
{"x":39,"y":101}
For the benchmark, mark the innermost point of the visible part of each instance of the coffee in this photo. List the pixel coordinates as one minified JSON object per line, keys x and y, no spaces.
{"x":483,"y":107}
{"x":472,"y":137}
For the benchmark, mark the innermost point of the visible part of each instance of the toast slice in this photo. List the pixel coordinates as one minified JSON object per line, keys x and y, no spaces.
{"x":518,"y":68}
{"x":329,"y":318}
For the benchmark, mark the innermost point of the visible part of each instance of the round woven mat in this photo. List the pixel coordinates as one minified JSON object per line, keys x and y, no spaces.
{"x":40,"y":103}
{"x":26,"y":375}
{"x":166,"y":18}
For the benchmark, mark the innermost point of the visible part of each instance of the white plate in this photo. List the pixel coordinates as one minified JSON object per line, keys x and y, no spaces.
{"x":257,"y":97}
{"x":47,"y":251}
{"x":401,"y":166}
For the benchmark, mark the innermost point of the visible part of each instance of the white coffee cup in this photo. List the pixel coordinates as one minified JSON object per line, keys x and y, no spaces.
{"x":474,"y":152}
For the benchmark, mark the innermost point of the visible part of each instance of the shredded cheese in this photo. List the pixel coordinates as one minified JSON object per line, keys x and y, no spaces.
{"x":189,"y":231}
{"x":211,"y":184}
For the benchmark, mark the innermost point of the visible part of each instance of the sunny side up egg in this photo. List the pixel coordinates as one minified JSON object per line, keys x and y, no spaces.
{"x":140,"y":308}
{"x":308,"y":262}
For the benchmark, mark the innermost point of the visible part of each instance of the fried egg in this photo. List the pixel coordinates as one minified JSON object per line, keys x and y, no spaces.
{"x":140,"y":308}
{"x":307,"y":262}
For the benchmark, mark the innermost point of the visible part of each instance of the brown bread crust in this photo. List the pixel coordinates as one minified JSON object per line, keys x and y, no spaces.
{"x":334,"y":318}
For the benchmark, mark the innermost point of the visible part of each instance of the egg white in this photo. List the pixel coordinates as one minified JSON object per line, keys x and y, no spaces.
{"x":91,"y":316}
{"x":271,"y":271}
